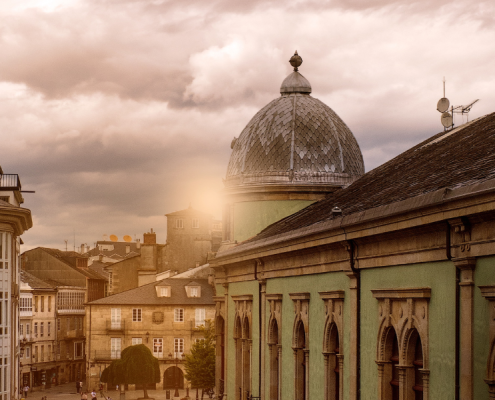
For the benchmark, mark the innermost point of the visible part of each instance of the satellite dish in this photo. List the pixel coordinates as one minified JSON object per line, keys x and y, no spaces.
{"x":446,"y":119}
{"x":114,"y":238}
{"x":443,"y":104}
{"x":127,"y":238}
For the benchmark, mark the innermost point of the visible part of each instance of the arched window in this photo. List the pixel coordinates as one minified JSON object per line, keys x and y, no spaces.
{"x":246,"y":359}
{"x":238,"y":358}
{"x":331,"y":354}
{"x":274,"y":361}
{"x":300,"y":366}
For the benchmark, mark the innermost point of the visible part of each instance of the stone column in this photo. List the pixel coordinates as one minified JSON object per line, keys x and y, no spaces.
{"x":262,"y":350}
{"x":227,"y":331}
{"x":381,"y":367}
{"x":353,"y":345}
{"x":279,"y":349}
{"x":326,"y":371}
{"x":426,"y":382}
{"x":296,"y":377}
{"x":340,"y":360}
{"x":306,"y":362}
{"x":466,"y":320}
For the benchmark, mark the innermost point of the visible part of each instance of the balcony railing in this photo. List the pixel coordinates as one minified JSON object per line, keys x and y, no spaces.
{"x":105,"y":355}
{"x":10,"y":182}
{"x":115,"y":326}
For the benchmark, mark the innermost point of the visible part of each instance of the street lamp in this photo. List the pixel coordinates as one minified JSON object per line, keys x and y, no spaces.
{"x":176,"y":393}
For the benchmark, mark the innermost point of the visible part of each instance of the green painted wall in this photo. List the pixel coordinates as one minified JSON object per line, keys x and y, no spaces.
{"x":484,"y":274}
{"x":253,"y":216}
{"x":310,"y":284}
{"x":236,"y":289}
{"x":441,"y":278}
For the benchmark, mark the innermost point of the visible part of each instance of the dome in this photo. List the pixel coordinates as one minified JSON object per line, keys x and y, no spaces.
{"x":295,"y":139}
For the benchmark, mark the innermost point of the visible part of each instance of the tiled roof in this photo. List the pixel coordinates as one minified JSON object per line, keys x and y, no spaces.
{"x":35,"y":282}
{"x":119,"y":248}
{"x":146,"y":295}
{"x":188,"y":211}
{"x":295,"y":139}
{"x":69,"y":258}
{"x":451,"y":159}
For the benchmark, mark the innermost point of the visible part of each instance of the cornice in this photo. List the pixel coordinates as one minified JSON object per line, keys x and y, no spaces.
{"x":426,"y":209}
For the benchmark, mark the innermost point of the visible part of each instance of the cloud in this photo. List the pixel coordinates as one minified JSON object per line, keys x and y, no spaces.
{"x":117,"y":112}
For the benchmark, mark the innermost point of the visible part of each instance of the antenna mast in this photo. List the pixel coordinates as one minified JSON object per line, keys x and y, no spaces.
{"x":447,"y":118}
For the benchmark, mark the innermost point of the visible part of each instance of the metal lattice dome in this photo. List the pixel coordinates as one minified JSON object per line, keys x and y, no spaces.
{"x":295,"y":139}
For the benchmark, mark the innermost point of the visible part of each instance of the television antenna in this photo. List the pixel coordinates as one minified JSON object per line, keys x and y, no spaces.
{"x":447,"y":117}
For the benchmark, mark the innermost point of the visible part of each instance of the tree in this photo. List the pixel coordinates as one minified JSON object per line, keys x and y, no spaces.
{"x":136,"y":366}
{"x":200,"y":364}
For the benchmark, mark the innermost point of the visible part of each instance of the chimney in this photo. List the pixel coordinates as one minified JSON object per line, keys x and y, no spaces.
{"x":149,"y":238}
{"x":138,"y":243}
{"x":127,"y":248}
{"x":82,"y":248}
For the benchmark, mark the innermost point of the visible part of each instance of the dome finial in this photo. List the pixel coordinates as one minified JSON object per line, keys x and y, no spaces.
{"x":296,"y":61}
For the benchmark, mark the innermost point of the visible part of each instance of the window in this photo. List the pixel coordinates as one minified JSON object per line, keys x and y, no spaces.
{"x":199,"y":317}
{"x":21,"y":330}
{"x":35,"y":303}
{"x":35,"y":329}
{"x":27,"y":354}
{"x":158,"y":347}
{"x":28,"y":329}
{"x":194,"y":292}
{"x":179,"y":315}
{"x":115,"y":348}
{"x":179,"y":223}
{"x":49,"y":328}
{"x":26,"y":304}
{"x":136,"y":315}
{"x":42,"y":329}
{"x":164,"y":292}
{"x":42,"y":303}
{"x":58,"y":324}
{"x":137,"y":340}
{"x":42,"y":353}
{"x":49,"y":352}
{"x":178,"y":347}
{"x":393,"y":306}
{"x":49,"y":303}
{"x":115,"y":318}
{"x":195,"y":223}
{"x":78,"y":350}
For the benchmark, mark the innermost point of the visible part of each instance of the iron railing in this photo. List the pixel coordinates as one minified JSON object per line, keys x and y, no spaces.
{"x":10,"y":182}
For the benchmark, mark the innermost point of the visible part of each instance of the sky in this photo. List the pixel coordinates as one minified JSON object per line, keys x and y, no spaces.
{"x":118,"y":112}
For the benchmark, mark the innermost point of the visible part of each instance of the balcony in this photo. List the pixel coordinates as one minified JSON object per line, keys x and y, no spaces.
{"x":10,"y":182}
{"x":113,"y":326}
{"x":105,"y":355}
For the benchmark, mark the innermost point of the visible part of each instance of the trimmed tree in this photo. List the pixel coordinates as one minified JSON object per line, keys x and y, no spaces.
{"x":200,"y":364}
{"x":136,"y":366}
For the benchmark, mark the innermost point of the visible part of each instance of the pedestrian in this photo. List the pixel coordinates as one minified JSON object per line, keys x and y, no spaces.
{"x":93,"y":395}
{"x":77,"y":386}
{"x":81,"y":385}
{"x":84,"y":396}
{"x":117,"y":388}
{"x":26,"y":390}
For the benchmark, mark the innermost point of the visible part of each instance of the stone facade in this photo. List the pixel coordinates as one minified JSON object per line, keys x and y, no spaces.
{"x":167,"y":321}
{"x":14,"y":221}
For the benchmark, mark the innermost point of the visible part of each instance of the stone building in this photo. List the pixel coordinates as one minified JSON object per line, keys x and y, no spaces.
{"x":191,"y":236}
{"x":67,"y":268}
{"x":14,"y":221}
{"x":164,"y":315}
{"x":384,"y":289}
{"x":51,"y":332}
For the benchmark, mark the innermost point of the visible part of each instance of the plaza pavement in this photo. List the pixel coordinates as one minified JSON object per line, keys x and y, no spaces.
{"x":67,"y":391}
